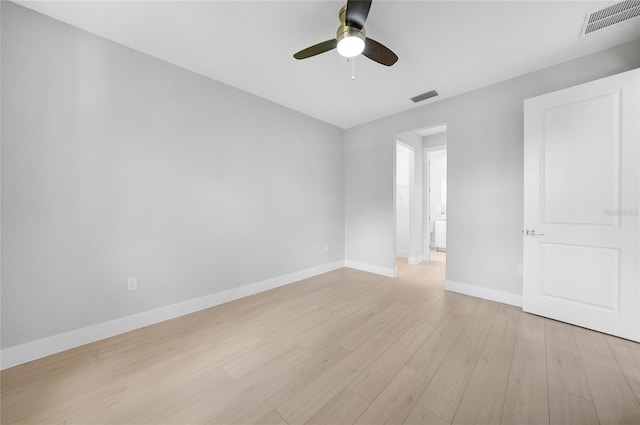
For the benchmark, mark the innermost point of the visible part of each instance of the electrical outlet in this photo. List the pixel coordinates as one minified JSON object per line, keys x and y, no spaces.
{"x":132,"y":284}
{"x":520,"y":269}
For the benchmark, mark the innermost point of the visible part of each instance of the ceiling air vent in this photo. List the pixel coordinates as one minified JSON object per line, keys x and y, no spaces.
{"x":607,"y":16}
{"x":426,"y":95}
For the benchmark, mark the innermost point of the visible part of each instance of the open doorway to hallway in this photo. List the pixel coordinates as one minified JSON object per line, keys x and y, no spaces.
{"x":420,"y":204}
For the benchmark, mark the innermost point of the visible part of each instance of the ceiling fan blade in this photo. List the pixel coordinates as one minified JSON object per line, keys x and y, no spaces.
{"x":316,"y":49}
{"x":357,"y":12}
{"x":379,"y":53}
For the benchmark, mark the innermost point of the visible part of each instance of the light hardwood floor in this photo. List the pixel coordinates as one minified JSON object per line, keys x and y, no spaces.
{"x":342,"y":348}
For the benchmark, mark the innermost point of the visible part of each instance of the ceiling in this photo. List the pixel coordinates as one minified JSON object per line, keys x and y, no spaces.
{"x":450,"y":46}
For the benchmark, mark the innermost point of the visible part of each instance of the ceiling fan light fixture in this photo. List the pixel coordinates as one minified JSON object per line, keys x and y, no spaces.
{"x":350,"y":46}
{"x":350,"y":41}
{"x":351,"y":38}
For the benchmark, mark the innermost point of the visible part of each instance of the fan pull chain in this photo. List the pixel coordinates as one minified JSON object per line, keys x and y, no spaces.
{"x":353,"y":68}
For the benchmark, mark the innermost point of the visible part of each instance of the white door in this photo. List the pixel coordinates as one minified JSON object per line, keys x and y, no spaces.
{"x":581,"y":209}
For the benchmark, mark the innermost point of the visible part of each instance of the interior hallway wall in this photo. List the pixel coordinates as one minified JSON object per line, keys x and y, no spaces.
{"x":434,"y":140}
{"x":404,"y":157}
{"x":438,"y":172}
{"x":416,"y":249}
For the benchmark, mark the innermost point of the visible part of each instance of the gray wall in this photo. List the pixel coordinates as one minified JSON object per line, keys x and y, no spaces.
{"x":434,"y":140}
{"x":116,"y":164}
{"x":485,"y":166}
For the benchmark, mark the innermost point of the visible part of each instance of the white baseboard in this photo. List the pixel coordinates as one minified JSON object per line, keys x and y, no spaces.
{"x":416,"y":259}
{"x":393,"y":272}
{"x":486,"y":293}
{"x":33,"y":350}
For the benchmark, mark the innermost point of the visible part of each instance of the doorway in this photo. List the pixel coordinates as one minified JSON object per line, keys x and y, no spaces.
{"x":415,"y":243}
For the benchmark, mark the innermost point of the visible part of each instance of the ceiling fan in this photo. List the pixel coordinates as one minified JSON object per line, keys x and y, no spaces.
{"x":351,"y":39}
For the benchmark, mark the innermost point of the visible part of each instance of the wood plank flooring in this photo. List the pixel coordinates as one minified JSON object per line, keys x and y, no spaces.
{"x":346,"y":347}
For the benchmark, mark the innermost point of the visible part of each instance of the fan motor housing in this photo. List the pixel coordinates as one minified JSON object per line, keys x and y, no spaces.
{"x":347,"y":31}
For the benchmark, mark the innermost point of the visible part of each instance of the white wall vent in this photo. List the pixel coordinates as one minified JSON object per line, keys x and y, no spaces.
{"x":607,"y":16}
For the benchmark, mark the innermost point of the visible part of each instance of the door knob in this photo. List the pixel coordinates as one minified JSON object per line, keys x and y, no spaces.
{"x":532,"y":232}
